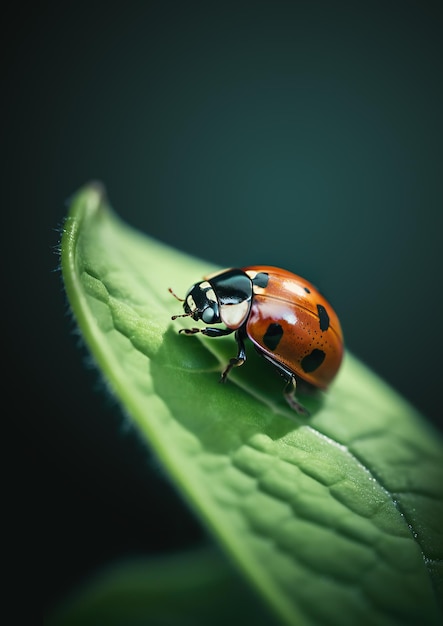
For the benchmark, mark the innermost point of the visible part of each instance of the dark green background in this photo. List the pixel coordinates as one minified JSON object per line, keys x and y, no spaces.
{"x":301,"y":134}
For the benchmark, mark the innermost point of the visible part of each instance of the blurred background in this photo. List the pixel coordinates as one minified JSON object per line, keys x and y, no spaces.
{"x":306,"y":135}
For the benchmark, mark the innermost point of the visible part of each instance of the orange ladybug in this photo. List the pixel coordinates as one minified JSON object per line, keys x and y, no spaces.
{"x":288,"y":321}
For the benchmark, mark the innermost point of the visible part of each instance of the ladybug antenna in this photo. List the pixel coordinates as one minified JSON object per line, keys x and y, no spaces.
{"x":177,"y":298}
{"x":174,"y":317}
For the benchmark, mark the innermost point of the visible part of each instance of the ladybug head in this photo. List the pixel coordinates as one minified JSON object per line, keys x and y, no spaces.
{"x":201,"y":303}
{"x":224,"y":297}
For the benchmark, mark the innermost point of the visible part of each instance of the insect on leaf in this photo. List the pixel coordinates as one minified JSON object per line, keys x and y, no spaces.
{"x":333,"y":519}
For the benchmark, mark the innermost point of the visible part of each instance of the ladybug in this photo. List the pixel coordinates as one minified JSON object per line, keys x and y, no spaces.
{"x":284,"y":316}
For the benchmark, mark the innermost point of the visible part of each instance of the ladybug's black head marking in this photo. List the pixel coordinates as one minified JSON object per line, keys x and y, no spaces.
{"x":201,"y":304}
{"x":222,"y":298}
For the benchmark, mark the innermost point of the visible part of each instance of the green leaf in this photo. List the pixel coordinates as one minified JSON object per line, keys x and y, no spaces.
{"x":189,"y":589}
{"x":333,"y":519}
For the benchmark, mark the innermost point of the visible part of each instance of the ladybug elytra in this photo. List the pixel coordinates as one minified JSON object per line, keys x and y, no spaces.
{"x":285,"y":317}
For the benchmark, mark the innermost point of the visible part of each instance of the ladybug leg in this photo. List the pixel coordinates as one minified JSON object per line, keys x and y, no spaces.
{"x":239,"y":359}
{"x":209,"y":332}
{"x":290,"y":387}
{"x":289,"y":393}
{"x":216,"y":332}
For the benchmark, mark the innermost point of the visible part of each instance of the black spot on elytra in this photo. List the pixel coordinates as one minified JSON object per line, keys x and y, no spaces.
{"x":261,"y":279}
{"x":323,"y":317}
{"x":313,"y":360}
{"x":307,"y":290}
{"x":272,"y":336}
